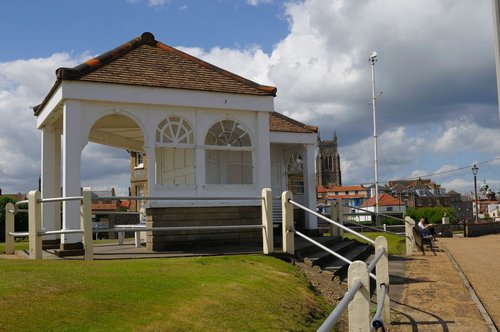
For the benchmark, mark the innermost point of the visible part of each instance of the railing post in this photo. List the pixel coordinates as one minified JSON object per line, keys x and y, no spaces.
{"x":336,"y":210}
{"x":382,"y":268}
{"x":35,"y":225}
{"x":287,"y":220}
{"x":410,"y":241}
{"x":267,"y":221}
{"x":359,"y":307}
{"x":86,"y":223}
{"x":9,"y":227}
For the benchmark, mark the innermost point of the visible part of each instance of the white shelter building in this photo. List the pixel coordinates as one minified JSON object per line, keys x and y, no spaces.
{"x":205,"y":131}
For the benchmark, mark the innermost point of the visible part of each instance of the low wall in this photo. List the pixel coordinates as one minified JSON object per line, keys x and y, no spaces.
{"x":474,"y":230}
{"x":202,"y":216}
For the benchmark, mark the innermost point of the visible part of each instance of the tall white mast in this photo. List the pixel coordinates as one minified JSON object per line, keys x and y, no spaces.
{"x":496,"y":40}
{"x":373,"y":59}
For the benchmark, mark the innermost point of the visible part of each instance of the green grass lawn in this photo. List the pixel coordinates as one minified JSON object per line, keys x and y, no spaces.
{"x":396,"y":244}
{"x":229,"y":293}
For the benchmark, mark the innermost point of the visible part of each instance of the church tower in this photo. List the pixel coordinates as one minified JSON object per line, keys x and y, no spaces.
{"x":328,"y":163}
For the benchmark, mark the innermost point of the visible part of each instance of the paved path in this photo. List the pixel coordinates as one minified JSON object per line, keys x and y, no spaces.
{"x":479,"y":259}
{"x":435,"y":297}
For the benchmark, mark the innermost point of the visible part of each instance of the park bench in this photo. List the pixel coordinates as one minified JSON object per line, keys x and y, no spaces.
{"x":422,"y":239}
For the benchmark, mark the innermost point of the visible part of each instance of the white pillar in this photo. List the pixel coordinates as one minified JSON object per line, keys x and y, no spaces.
{"x":71,"y":155}
{"x":262,"y":175}
{"x":359,"y":307}
{"x":51,"y":179}
{"x":410,"y":241}
{"x":151,"y":155}
{"x":267,"y":221}
{"x":383,"y":279}
{"x":34,"y":225}
{"x":310,"y":185}
{"x":9,"y":227}
{"x":288,"y":224}
{"x":86,"y":223}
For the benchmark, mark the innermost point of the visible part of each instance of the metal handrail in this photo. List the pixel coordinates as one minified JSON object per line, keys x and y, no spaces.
{"x":59,"y":199}
{"x":375,"y":213}
{"x":332,"y":222}
{"x":334,"y":316}
{"x":374,"y":228}
{"x":375,"y":260}
{"x":152,"y":198}
{"x":175,"y":228}
{"x":377,"y":322}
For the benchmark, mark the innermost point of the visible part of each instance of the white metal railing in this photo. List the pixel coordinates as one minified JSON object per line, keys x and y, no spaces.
{"x":357,"y":298}
{"x":36,"y":232}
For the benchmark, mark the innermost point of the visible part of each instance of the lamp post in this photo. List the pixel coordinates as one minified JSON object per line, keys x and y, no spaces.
{"x":474,"y":172}
{"x":373,"y":59}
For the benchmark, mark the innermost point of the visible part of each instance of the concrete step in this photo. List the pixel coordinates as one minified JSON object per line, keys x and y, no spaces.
{"x":339,"y":268}
{"x":304,"y":249}
{"x":320,"y":256}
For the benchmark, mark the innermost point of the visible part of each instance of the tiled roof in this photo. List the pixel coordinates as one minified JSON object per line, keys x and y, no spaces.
{"x":321,"y":189}
{"x":347,"y":188}
{"x":144,"y":61}
{"x":281,"y":123}
{"x":383,"y":200}
{"x":346,"y":196}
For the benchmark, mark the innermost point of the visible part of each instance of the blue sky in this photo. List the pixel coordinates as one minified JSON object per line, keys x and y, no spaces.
{"x":41,"y":28}
{"x":438,"y":111}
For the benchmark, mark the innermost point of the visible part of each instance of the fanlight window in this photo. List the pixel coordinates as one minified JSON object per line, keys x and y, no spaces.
{"x":295,"y":170}
{"x":174,"y":130}
{"x":175,"y":152}
{"x":228,"y":133}
{"x":228,"y":155}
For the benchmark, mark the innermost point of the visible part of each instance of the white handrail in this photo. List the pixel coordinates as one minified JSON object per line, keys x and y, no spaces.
{"x":60,"y":199}
{"x":332,"y":222}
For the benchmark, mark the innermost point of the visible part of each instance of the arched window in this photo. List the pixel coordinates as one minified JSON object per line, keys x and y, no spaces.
{"x":175,"y":152}
{"x":228,"y":154}
{"x":295,"y":171}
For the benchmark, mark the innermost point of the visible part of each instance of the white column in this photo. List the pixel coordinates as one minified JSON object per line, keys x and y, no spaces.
{"x":262,"y":175}
{"x":310,"y":185}
{"x":51,"y":178}
{"x":151,"y":155}
{"x":71,"y":155}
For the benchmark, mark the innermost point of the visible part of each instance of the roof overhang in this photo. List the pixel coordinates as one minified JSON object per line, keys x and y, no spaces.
{"x":132,"y":94}
{"x":293,"y":138}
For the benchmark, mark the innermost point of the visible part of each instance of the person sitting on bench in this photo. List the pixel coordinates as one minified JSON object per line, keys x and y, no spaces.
{"x":426,"y":228}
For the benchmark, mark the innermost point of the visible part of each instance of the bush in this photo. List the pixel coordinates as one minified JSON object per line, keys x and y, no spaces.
{"x":433,"y":215}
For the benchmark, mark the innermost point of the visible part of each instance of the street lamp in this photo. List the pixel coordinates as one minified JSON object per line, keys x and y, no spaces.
{"x":474,"y":172}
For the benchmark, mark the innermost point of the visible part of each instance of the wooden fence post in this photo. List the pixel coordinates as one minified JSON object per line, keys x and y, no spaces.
{"x":9,"y":227}
{"x":86,"y":223}
{"x":359,"y":307}
{"x":267,"y":221}
{"x":35,"y":225}
{"x":410,"y":241}
{"x":287,"y":219}
{"x":383,"y":278}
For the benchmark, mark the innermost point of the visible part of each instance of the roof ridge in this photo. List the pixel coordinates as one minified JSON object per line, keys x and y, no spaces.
{"x":147,"y":38}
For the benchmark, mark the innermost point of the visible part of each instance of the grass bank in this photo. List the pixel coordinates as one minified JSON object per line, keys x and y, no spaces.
{"x":230,"y":293}
{"x":396,"y":244}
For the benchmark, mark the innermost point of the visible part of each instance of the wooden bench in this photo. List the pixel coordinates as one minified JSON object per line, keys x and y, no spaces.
{"x":421,"y":240}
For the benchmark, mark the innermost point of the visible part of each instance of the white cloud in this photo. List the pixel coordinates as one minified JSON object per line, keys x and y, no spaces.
{"x":258,"y":2}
